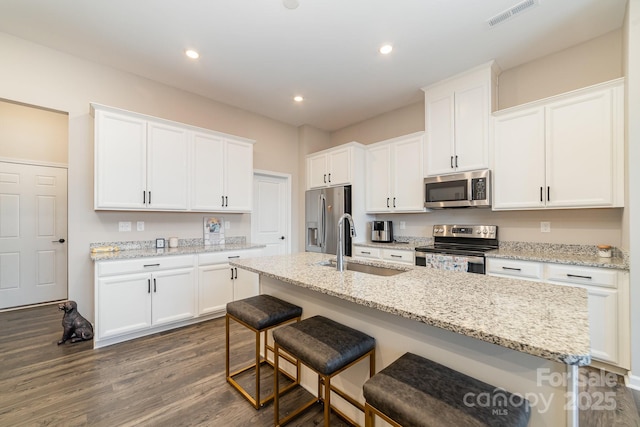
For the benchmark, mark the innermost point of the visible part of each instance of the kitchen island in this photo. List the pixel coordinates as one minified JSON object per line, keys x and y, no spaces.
{"x":528,"y":338}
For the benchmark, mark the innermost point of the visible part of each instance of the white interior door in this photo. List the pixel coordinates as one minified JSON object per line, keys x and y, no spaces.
{"x":33,"y":233}
{"x":271,"y":215}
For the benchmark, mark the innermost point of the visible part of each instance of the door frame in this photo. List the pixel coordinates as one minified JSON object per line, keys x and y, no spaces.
{"x":287,"y":178}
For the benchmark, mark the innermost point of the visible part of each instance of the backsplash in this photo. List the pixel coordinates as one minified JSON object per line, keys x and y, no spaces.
{"x":149,"y":244}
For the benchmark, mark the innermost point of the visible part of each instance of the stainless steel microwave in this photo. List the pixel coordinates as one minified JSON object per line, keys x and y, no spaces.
{"x":460,"y":190}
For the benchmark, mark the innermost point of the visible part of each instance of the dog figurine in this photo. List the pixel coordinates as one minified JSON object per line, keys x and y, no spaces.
{"x":75,"y":327}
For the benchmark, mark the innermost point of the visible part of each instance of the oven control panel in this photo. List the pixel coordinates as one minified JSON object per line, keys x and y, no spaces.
{"x":470,"y":231}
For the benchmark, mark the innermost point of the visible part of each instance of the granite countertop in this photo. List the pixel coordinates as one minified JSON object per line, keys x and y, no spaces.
{"x":180,"y":250}
{"x":543,"y":320}
{"x":581,"y":255}
{"x":571,"y":257}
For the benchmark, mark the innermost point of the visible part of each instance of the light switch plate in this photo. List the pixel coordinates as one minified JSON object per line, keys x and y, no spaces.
{"x":140,"y":226}
{"x":227,"y":225}
{"x":124,"y":226}
{"x":545,"y":227}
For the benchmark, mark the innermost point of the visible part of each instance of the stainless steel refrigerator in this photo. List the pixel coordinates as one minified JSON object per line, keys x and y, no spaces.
{"x":323,"y":208}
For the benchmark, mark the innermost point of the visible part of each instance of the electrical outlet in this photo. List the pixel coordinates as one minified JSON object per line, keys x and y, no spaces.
{"x":545,"y":227}
{"x":403,"y":225}
{"x":227,"y":225}
{"x":140,"y":226}
{"x":124,"y":226}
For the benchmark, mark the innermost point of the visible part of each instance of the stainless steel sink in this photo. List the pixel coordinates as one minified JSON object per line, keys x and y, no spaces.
{"x":365,"y":268}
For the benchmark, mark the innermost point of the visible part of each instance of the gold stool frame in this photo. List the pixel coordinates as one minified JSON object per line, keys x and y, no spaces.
{"x":259,"y":360}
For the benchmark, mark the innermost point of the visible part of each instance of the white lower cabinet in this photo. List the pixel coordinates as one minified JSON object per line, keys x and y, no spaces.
{"x":141,"y":296}
{"x":608,"y":296}
{"x":401,"y":256}
{"x":136,"y":295}
{"x":219,"y":283}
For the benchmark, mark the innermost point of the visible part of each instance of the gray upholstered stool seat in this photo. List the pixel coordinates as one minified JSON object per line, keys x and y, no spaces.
{"x":328,"y":348}
{"x":417,"y":392}
{"x":260,"y":314}
{"x":263,"y":311}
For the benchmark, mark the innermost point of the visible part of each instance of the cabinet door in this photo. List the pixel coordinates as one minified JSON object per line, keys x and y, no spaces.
{"x":471,"y":128}
{"x":120,"y":161}
{"x":580,"y":151}
{"x":408,"y":175}
{"x":238,"y":176}
{"x":167,"y":167}
{"x":339,"y":166}
{"x":603,"y":321}
{"x":123,"y":304}
{"x":378,"y":183}
{"x":439,"y":154}
{"x":207,"y":182}
{"x":215,"y":288}
{"x":173,"y":296}
{"x":245,"y":284}
{"x":519,"y":160}
{"x":317,"y":171}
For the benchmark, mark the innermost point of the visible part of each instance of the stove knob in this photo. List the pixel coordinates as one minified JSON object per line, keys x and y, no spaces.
{"x":484,"y":231}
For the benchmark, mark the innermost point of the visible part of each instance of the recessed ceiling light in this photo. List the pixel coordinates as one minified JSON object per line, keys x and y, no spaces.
{"x":290,"y":4}
{"x":192,"y":54}
{"x":298,"y":98}
{"x":386,"y":49}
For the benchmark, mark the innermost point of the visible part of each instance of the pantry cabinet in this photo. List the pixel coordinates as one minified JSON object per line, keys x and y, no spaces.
{"x":566,"y":151}
{"x":222,"y":174}
{"x":457,"y":120}
{"x":608,"y":296}
{"x":136,"y":295}
{"x":145,"y":163}
{"x":394,"y":175}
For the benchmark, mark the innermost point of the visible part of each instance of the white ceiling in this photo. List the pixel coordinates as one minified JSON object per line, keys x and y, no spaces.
{"x":257,"y":54}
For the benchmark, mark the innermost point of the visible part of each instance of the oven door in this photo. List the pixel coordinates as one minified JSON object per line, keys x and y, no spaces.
{"x":443,"y":261}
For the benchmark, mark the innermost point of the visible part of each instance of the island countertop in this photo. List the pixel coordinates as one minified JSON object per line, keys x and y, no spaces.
{"x":543,"y":320}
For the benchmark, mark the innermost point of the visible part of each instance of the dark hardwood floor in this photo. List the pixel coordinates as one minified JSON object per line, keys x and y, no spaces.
{"x":174,"y":378}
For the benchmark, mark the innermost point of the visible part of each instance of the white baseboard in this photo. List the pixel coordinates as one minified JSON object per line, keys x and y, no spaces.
{"x":633,"y":381}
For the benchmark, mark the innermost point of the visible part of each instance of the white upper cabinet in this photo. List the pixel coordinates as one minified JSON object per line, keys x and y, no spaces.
{"x":143,"y":163}
{"x":457,"y":119}
{"x":562,"y":152}
{"x":167,"y":167}
{"x":394,"y":175}
{"x":222,"y":174}
{"x":333,"y":167}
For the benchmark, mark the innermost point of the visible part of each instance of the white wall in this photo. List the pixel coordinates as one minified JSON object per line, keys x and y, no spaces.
{"x":632,"y":219}
{"x":33,"y":74}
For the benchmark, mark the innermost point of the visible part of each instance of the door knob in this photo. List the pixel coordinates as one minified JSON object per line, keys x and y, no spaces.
{"x":58,"y":241}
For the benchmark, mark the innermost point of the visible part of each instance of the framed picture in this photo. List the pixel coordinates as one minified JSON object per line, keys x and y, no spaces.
{"x":213,"y":230}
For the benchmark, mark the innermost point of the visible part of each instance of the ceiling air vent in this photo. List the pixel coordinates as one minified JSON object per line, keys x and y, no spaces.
{"x":512,"y":12}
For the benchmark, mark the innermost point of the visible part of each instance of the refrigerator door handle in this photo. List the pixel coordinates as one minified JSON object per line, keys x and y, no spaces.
{"x":323,"y":221}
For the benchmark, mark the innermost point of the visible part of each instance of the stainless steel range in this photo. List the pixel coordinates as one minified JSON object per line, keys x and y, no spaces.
{"x":459,"y":247}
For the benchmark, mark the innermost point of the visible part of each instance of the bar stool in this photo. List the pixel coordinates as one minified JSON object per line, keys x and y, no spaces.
{"x":417,"y":392}
{"x":260,"y":314}
{"x":327,"y":348}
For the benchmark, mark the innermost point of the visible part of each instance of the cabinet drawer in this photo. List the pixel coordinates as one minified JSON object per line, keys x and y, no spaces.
{"x":366,"y":252}
{"x":226,"y":256}
{"x":398,"y":256}
{"x":515,"y":268}
{"x":582,"y":275}
{"x":107,"y":268}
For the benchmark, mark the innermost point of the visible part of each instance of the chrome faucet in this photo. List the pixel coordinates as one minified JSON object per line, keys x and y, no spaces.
{"x":340,"y":251}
